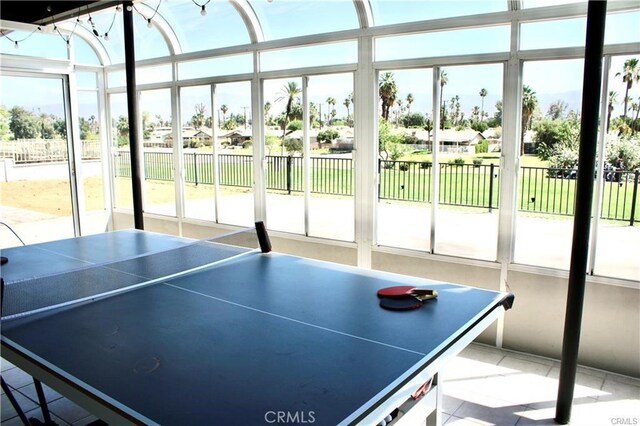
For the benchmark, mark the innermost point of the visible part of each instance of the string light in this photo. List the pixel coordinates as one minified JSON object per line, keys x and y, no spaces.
{"x":94,"y":30}
{"x":16,"y":43}
{"x":93,"y":25}
{"x":203,"y":7}
{"x":149,"y":25}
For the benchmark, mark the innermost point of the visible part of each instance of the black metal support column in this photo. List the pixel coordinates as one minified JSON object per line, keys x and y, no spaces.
{"x":132,"y":104}
{"x":591,"y":87}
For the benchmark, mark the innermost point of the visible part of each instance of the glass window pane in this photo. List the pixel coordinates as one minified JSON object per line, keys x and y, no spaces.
{"x":222,"y":24}
{"x":225,"y":65}
{"x":553,"y":34}
{"x":331,"y":198}
{"x":283,"y":19}
{"x":96,"y":218}
{"x":387,"y":12}
{"x":405,"y":172}
{"x":36,"y":186}
{"x":197,"y":142}
{"x":121,"y":152}
{"x":546,"y":180}
{"x":149,"y":43}
{"x":617,"y":21}
{"x":86,"y":80}
{"x":159,"y":184}
{"x":309,"y":56}
{"x":155,"y":74}
{"x":235,"y":159}
{"x":285,"y":196}
{"x":443,"y":43}
{"x":617,"y":241}
{"x":84,"y":53}
{"x":116,"y":79}
{"x":33,"y":43}
{"x":467,"y":221}
{"x":543,"y":3}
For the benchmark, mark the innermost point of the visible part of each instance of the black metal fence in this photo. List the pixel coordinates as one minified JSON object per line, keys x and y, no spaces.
{"x":467,"y":185}
{"x":541,"y":190}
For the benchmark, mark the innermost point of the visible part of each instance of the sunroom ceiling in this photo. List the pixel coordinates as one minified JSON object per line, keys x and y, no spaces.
{"x":45,"y":12}
{"x":185,"y":26}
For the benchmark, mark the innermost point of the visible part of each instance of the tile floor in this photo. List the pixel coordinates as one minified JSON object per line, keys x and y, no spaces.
{"x":482,"y":386}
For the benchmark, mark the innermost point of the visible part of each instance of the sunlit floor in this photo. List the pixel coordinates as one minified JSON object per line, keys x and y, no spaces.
{"x":483,"y":385}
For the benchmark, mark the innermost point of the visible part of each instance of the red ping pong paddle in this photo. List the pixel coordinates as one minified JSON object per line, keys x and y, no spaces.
{"x":396,"y":291}
{"x":400,"y":304}
{"x":402,"y":291}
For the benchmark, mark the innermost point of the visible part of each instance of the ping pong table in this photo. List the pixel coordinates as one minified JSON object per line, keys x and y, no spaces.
{"x":243,"y":337}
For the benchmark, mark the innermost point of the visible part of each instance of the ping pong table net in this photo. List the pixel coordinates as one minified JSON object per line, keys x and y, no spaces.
{"x":39,"y":294}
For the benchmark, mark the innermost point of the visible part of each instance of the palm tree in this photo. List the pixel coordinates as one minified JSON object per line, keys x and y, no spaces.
{"x":347,"y":103}
{"x":224,"y":110}
{"x":313,"y":112}
{"x":409,"y":102}
{"x":630,"y":74}
{"x":635,"y":106}
{"x":483,"y":93}
{"x":267,"y":107}
{"x":455,"y":114}
{"x":443,"y":80}
{"x":290,"y":92}
{"x":199,"y":118}
{"x":475,"y":112}
{"x":399,"y":112}
{"x":331,"y":101}
{"x":529,"y":105}
{"x":387,"y":90}
{"x":428,"y":126}
{"x":612,"y":99}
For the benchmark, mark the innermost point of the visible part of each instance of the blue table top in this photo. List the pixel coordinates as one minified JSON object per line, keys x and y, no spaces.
{"x":229,"y":344}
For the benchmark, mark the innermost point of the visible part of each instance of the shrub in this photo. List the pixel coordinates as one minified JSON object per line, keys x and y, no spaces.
{"x":388,"y":142}
{"x":425,"y":164}
{"x":563,"y":157}
{"x":294,"y":125}
{"x":327,"y":135}
{"x":479,"y":126}
{"x":627,"y":149}
{"x":396,"y":151}
{"x":403,"y":167}
{"x":415,"y":119}
{"x":410,"y":140}
{"x":477,"y":161}
{"x":482,"y":146}
{"x":457,"y":161}
{"x":549,"y":134}
{"x":293,"y":145}
{"x":247,"y":143}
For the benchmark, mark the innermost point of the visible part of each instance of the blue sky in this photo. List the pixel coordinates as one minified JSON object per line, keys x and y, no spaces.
{"x":552,"y":80}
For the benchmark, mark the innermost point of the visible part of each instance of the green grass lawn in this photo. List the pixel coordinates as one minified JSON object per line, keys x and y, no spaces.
{"x":407,"y":180}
